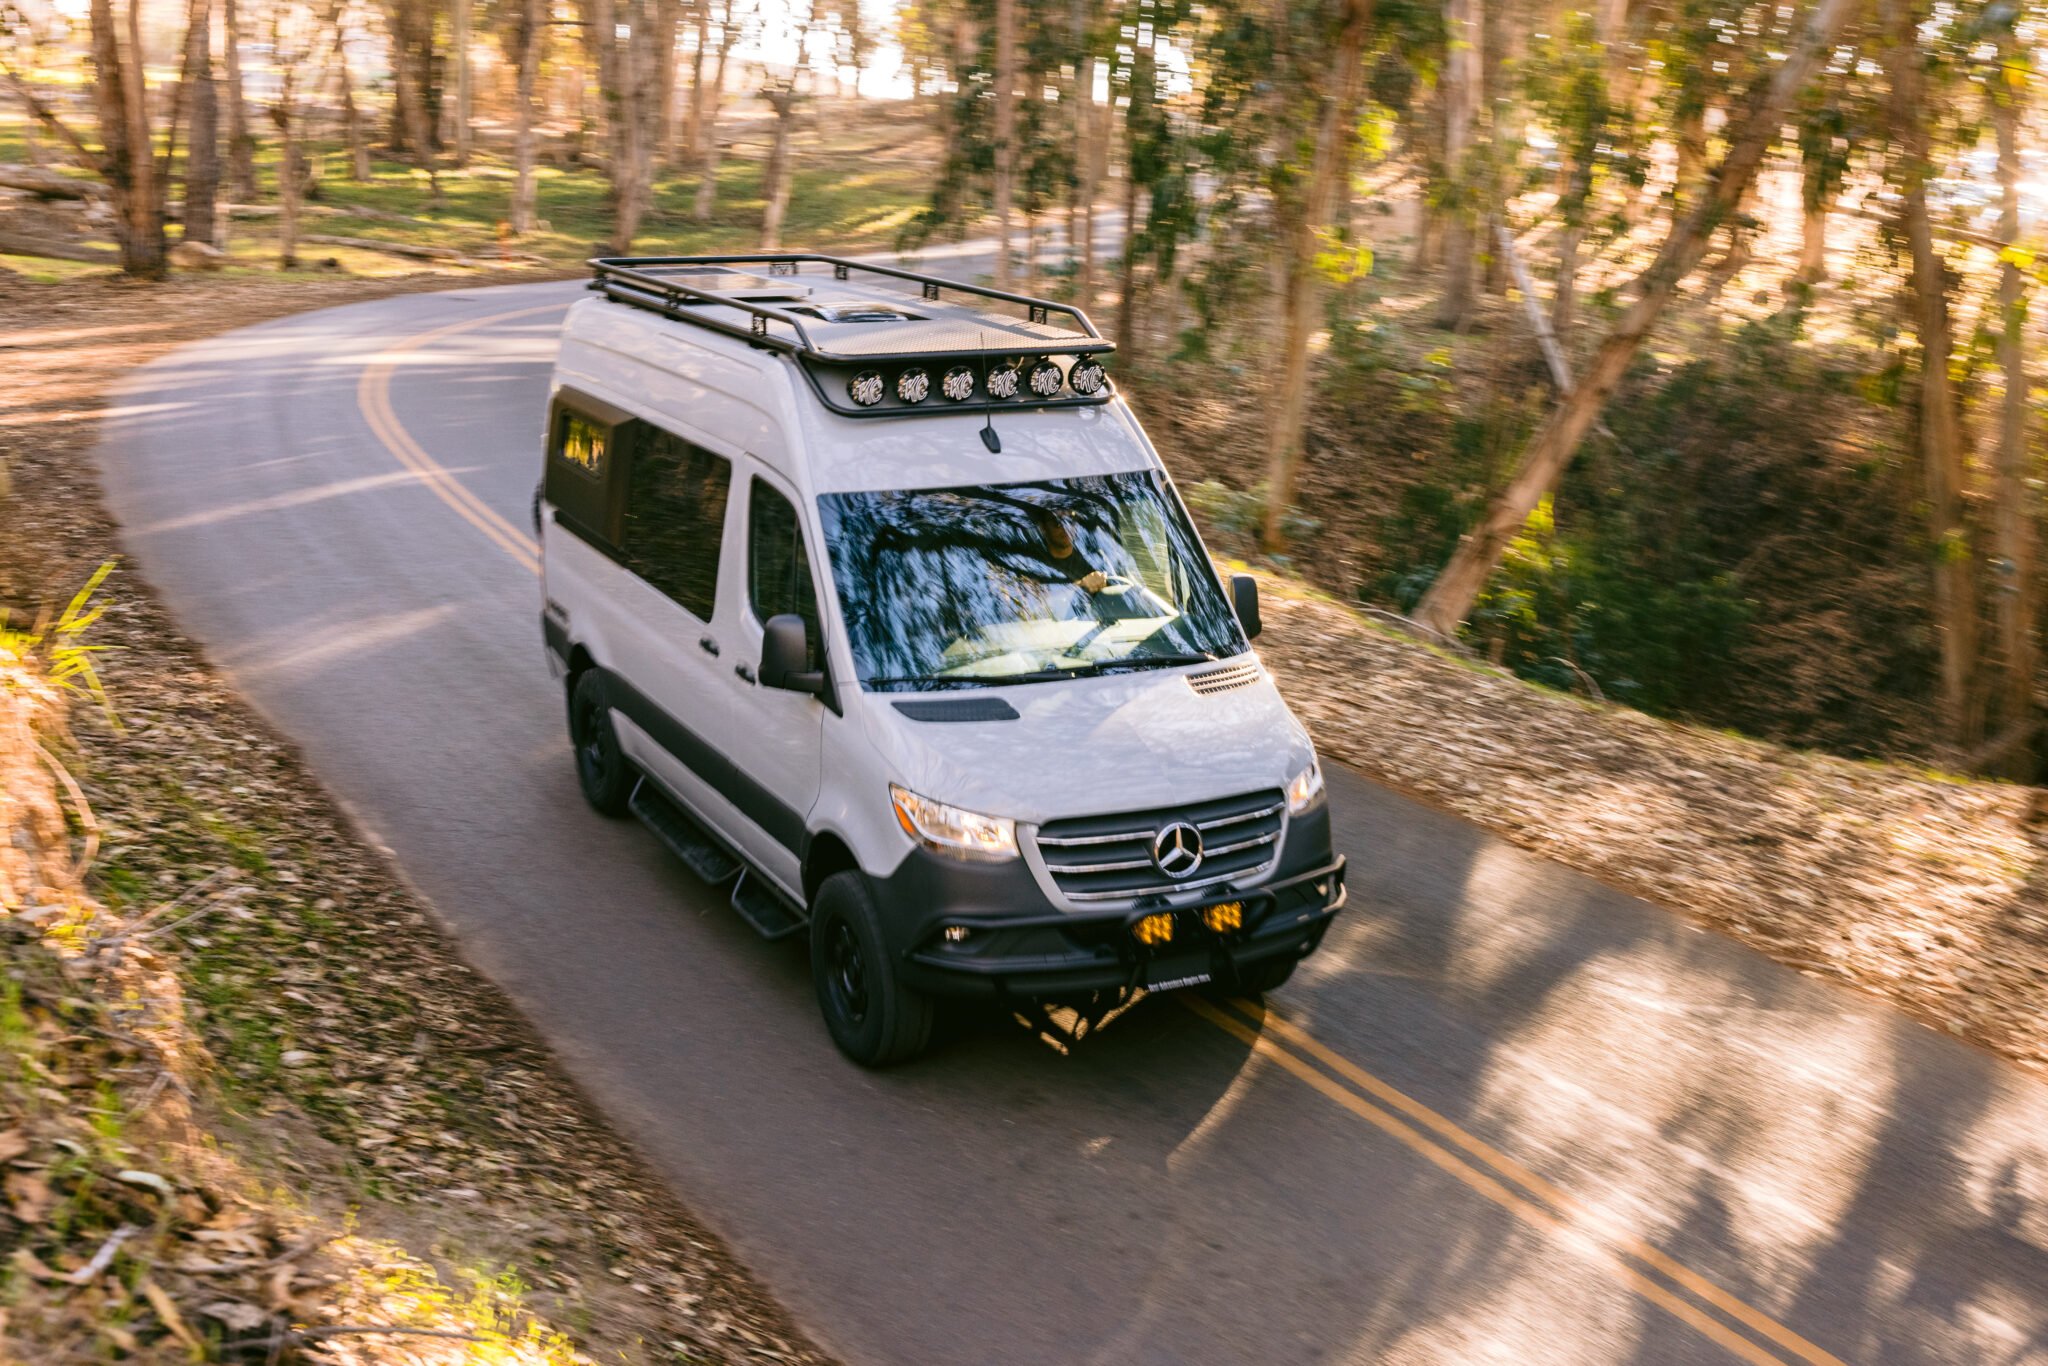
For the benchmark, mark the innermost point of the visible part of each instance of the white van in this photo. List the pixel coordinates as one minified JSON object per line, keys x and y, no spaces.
{"x":873,"y":601}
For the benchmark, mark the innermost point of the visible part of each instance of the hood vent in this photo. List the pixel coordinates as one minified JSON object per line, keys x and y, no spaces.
{"x":1224,"y":679}
{"x":958,"y":709}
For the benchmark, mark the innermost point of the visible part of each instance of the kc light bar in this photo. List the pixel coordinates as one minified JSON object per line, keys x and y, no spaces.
{"x":931,"y":355}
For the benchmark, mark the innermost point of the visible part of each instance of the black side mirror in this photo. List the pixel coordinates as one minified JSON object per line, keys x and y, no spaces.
{"x":785,"y":653}
{"x":1244,"y":596}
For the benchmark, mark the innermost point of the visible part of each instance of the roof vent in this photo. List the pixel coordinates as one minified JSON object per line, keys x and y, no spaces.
{"x":1224,"y":679}
{"x":860,"y":311}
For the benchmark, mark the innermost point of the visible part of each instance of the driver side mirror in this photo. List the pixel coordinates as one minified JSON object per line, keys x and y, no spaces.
{"x":785,"y":653}
{"x":1244,"y":596}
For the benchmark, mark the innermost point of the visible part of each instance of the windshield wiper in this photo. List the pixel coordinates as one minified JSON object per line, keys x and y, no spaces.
{"x":1040,"y":675}
{"x":1155,"y":661}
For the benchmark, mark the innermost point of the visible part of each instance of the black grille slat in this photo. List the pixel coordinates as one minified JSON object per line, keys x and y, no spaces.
{"x":1241,"y":837}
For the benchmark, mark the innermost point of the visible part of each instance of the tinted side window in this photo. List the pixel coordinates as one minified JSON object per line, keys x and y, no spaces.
{"x":581,"y":474}
{"x":778,"y":571}
{"x":675,"y":518}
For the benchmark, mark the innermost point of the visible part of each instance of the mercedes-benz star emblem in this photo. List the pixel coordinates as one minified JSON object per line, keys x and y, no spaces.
{"x":1177,"y":850}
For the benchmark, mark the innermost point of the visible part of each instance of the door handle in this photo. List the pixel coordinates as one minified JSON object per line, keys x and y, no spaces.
{"x":745,"y":674}
{"x":708,"y":646}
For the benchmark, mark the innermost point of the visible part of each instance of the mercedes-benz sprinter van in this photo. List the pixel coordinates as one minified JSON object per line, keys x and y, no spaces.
{"x":872,"y":600}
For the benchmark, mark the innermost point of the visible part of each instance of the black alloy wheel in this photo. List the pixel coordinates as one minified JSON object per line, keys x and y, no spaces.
{"x":874,"y":1018}
{"x":602,"y":769}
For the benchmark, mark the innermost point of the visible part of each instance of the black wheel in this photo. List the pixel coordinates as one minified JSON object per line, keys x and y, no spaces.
{"x":873,"y":1017}
{"x":606,"y":776}
{"x":1257,"y":979}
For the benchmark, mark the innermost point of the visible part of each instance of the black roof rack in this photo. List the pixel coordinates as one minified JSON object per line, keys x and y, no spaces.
{"x":831,"y":353}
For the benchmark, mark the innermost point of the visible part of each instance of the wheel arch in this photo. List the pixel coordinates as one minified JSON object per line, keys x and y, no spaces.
{"x":825,"y":855}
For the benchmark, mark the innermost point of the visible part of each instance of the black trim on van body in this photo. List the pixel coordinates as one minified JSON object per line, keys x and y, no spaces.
{"x":783,"y":822}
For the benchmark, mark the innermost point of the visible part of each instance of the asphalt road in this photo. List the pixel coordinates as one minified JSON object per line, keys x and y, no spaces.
{"x":1506,"y":1115}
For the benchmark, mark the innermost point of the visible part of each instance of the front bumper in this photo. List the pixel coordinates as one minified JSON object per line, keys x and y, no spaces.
{"x":1017,"y":944}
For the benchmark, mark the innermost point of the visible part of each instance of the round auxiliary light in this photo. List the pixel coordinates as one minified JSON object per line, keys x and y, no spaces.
{"x":914,"y":386}
{"x":865,"y":388}
{"x":1004,"y":383}
{"x":958,"y":385}
{"x":1045,"y":377}
{"x":1087,"y":376}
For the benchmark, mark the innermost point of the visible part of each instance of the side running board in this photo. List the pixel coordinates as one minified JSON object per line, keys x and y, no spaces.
{"x":770,"y":912}
{"x":686,"y":839}
{"x":773,"y":915}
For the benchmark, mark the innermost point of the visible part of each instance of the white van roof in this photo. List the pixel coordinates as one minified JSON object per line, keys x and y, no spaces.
{"x":703,"y":325}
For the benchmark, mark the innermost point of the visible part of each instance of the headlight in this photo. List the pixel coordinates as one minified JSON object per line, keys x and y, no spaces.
{"x":949,"y":830}
{"x":1306,"y":790}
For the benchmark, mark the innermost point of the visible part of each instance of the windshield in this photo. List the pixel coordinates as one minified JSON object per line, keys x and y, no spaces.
{"x":1021,"y":583}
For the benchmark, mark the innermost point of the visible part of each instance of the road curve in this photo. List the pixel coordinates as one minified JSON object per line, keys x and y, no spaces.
{"x":1508,"y":1114}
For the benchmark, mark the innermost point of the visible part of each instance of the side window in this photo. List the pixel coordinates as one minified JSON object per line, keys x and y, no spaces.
{"x":582,"y":473}
{"x":778,"y":571}
{"x":675,"y":518}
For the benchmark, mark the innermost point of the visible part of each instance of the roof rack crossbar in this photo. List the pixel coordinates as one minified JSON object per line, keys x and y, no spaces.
{"x":633,"y":280}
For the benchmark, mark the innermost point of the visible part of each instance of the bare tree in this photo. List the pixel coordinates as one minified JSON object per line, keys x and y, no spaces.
{"x":2017,"y":508}
{"x":775,"y":179}
{"x":202,"y":159}
{"x":461,"y":112}
{"x":1465,"y":28}
{"x":526,"y":45}
{"x":709,"y":151}
{"x":345,"y":93}
{"x":241,"y":142}
{"x":1005,"y":133}
{"x":1302,"y":223}
{"x":1941,"y":448}
{"x":1450,"y":598}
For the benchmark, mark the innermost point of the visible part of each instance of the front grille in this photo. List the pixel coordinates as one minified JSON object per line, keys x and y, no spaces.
{"x":1109,"y":858}
{"x":1224,"y":679}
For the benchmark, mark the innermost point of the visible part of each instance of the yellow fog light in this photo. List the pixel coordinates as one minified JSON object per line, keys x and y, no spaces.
{"x":1154,"y":930}
{"x":1225,"y":917}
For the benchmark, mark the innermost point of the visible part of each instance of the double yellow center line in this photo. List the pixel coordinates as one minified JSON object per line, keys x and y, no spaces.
{"x":1657,"y":1277}
{"x":1662,"y":1280}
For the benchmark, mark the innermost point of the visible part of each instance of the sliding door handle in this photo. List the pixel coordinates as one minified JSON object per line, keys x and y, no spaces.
{"x":745,"y":674}
{"x":708,"y":646}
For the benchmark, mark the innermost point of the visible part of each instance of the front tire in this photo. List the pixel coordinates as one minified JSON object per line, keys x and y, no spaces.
{"x":875,"y":1019}
{"x":602,"y":769}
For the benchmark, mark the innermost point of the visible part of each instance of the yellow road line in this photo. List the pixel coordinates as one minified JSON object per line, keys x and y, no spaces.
{"x":1529,"y":1211}
{"x":1559,"y":1199}
{"x":373,"y":396}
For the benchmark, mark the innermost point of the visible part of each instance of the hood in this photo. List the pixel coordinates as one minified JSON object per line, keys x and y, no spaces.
{"x":1095,"y":745}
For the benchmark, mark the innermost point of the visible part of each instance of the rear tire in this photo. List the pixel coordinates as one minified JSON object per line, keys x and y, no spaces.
{"x":875,"y":1019}
{"x":602,"y":769}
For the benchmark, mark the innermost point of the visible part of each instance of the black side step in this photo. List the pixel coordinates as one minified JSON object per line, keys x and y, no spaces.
{"x":687,"y":840}
{"x":766,"y":909}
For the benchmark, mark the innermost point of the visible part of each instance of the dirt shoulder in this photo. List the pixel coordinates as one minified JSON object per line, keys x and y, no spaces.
{"x":358,"y":1131}
{"x":1925,"y":891}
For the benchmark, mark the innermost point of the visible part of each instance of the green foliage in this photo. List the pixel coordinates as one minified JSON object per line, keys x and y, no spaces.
{"x":59,"y":647}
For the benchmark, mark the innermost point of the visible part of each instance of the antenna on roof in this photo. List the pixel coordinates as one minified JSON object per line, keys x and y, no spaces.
{"x":988,"y":411}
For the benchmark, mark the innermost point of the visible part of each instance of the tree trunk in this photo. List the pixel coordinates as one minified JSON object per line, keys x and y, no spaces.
{"x":1464,"y":28}
{"x":1005,"y":132}
{"x":287,"y":174}
{"x":2013,"y":527}
{"x":714,"y":151}
{"x":1087,"y":182}
{"x":202,"y":158}
{"x":532,"y":14}
{"x":1127,"y":269}
{"x":241,"y":142}
{"x":639,"y":80}
{"x":775,"y":180}
{"x":458,"y":44}
{"x":1449,"y":600}
{"x":129,"y":159}
{"x":351,"y":113}
{"x":1813,"y":245}
{"x":693,"y":121}
{"x":1940,"y":442}
{"x":1300,"y":284}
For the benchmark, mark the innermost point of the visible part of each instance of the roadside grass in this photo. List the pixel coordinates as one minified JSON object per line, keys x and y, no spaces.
{"x":861,"y":173}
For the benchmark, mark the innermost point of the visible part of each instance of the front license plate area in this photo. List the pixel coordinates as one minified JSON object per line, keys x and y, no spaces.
{"x":1173,"y":974}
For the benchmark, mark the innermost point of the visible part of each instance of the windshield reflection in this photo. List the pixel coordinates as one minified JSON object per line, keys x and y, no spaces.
{"x":1023,"y":583}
